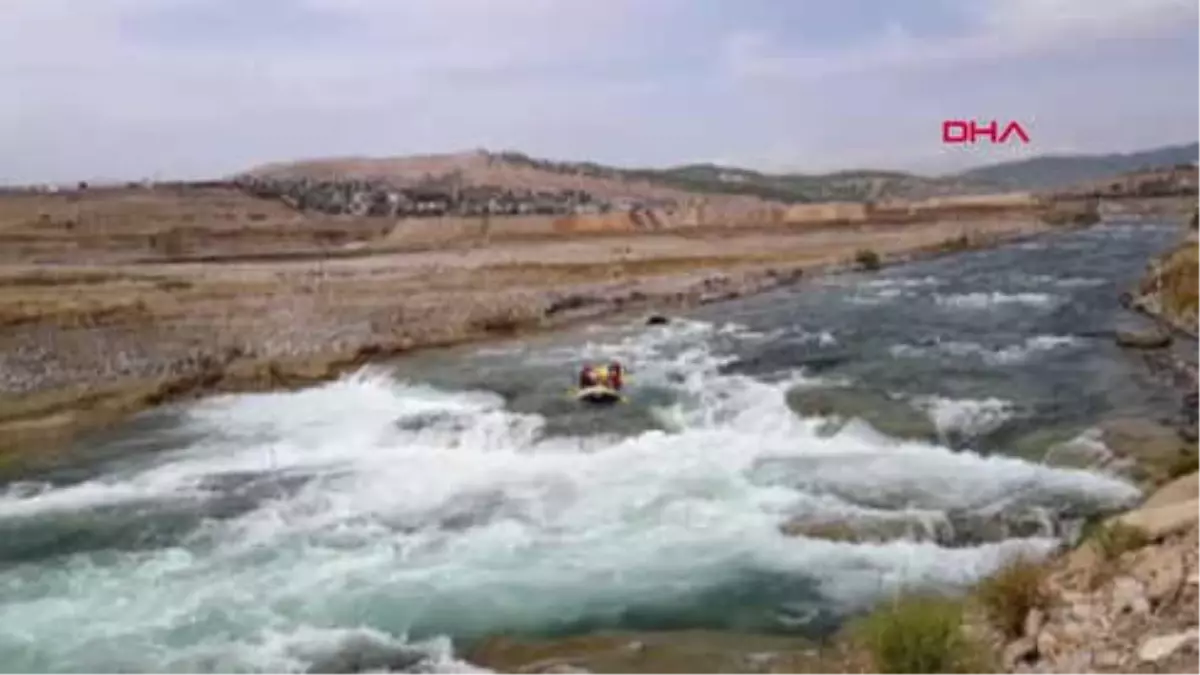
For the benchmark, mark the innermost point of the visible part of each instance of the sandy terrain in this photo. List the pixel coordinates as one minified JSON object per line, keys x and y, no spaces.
{"x":114,"y":300}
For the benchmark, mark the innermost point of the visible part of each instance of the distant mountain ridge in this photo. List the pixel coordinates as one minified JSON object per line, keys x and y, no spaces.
{"x":518,"y":171}
{"x":1057,"y":171}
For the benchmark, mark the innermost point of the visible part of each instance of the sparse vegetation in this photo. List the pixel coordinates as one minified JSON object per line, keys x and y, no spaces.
{"x":1008,"y":596}
{"x":1187,"y":462}
{"x":1173,"y":283}
{"x":506,"y":319}
{"x":868,"y":259}
{"x":960,"y":243}
{"x":1108,"y":541}
{"x":1114,"y":539}
{"x":1072,"y":214}
{"x":919,"y":634}
{"x":169,"y":243}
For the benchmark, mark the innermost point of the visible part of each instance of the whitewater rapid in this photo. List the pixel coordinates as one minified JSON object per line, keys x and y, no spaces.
{"x":379,"y":516}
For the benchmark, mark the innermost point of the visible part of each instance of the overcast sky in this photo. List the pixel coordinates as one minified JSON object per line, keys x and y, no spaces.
{"x":183,"y":88}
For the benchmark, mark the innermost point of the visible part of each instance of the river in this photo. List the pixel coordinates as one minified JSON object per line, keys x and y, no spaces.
{"x":389,"y":518}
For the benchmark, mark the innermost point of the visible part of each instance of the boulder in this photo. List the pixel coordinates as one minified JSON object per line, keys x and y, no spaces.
{"x":856,"y":531}
{"x":1162,"y":570}
{"x":556,"y":668}
{"x":689,"y":651}
{"x":1182,"y":489}
{"x":1157,"y":449}
{"x":1159,"y":647}
{"x":1021,"y":651}
{"x":1150,"y":338}
{"x":841,"y":404}
{"x":1065,"y":447}
{"x":1162,"y":521}
{"x":657,"y":320}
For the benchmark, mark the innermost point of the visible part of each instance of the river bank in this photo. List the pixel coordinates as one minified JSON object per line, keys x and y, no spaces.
{"x":453,"y":504}
{"x":85,"y":346}
{"x":1125,"y":600}
{"x":1119,"y":595}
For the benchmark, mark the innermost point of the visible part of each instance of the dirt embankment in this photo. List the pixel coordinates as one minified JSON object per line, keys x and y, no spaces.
{"x":115,"y":300}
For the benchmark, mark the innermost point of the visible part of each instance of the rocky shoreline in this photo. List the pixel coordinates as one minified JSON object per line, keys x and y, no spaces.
{"x":1125,"y":599}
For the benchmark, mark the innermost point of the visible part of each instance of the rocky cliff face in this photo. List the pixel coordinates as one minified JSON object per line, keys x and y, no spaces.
{"x":1169,"y":289}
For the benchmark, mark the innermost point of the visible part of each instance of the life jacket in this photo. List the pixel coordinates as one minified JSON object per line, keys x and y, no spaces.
{"x":614,"y":376}
{"x":587,"y":377}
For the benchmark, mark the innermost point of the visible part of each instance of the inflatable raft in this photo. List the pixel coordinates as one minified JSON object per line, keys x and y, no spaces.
{"x":598,"y":394}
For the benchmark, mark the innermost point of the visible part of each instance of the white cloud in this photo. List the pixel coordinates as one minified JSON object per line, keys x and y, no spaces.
{"x":1044,"y":23}
{"x":998,"y":29}
{"x":93,"y":89}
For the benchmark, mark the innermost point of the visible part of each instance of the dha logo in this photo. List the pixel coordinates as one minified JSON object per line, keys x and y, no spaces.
{"x":958,"y":132}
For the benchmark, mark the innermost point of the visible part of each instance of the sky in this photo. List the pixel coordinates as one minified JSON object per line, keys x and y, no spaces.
{"x":128,"y":89}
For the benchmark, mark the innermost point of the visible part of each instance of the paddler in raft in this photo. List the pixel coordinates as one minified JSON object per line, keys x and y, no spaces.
{"x":609,"y":376}
{"x":601,"y":383}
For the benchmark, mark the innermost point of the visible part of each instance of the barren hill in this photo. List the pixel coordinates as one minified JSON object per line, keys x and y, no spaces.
{"x":504,"y":171}
{"x":519,"y":172}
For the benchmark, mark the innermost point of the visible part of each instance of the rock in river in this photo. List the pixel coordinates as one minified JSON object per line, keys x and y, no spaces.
{"x":1151,"y":338}
{"x":839,"y":405}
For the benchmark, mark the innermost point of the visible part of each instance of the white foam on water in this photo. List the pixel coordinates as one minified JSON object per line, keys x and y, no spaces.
{"x":969,"y":417}
{"x":979,"y":301}
{"x":878,"y":296}
{"x":993,"y":356}
{"x":883,"y":282}
{"x":1041,"y":280}
{"x":882,"y":290}
{"x":433,"y":512}
{"x":822,"y":338}
{"x":1086,"y":449}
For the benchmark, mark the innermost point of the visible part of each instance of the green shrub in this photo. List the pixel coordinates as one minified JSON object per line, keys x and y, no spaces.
{"x":1112,"y":540}
{"x":1010,"y":594}
{"x":1187,"y":462}
{"x":960,"y":243}
{"x":918,"y":634}
{"x":868,"y":259}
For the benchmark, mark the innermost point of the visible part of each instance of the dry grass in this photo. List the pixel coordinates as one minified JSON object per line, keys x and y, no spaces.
{"x":1108,"y":542}
{"x":505,"y":317}
{"x":919,"y":634}
{"x":1114,"y":539}
{"x":552,"y":274}
{"x":1071,"y":214}
{"x":1008,"y":596}
{"x":71,"y":310}
{"x":960,"y":243}
{"x":1187,"y":462}
{"x":1180,"y":274}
